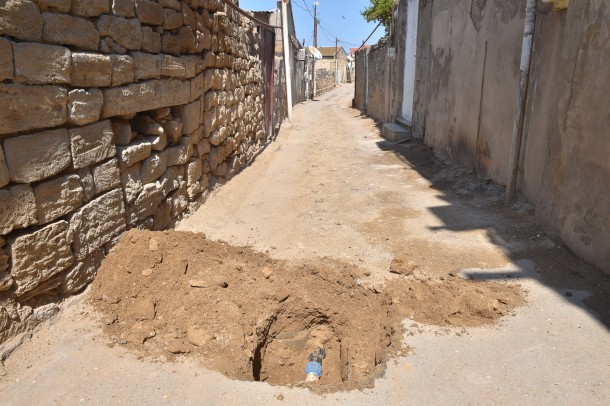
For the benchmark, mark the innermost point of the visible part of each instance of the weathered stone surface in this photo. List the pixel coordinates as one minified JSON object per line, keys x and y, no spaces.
{"x":193,"y":172}
{"x":190,"y":115}
{"x":173,"y":4}
{"x":182,"y":42}
{"x":144,"y":96}
{"x":90,"y":8}
{"x":181,"y":153}
{"x":106,"y":176}
{"x":4,"y":176}
{"x":41,"y":64}
{"x":30,"y":107}
{"x":173,"y":129}
{"x":124,"y":8}
{"x":81,"y":274}
{"x":127,"y":32}
{"x":6,"y":281}
{"x":91,"y":70}
{"x":151,"y":40}
{"x":122,"y":69}
{"x":20,"y":19}
{"x":172,"y":179}
{"x":58,"y":197}
{"x":122,"y":132}
{"x":147,"y":203}
{"x":87,"y":181}
{"x":92,"y":143}
{"x":33,"y":157}
{"x":6,"y":60}
{"x":67,"y":30}
{"x":40,"y":255}
{"x":59,"y":5}
{"x":172,"y":19}
{"x":133,"y":153}
{"x":17,"y":208}
{"x":131,"y":182}
{"x":149,"y":12}
{"x":188,"y":15}
{"x":147,"y":66}
{"x":173,"y":67}
{"x":84,"y":106}
{"x":153,"y":167}
{"x":97,"y":223}
{"x":145,"y":125}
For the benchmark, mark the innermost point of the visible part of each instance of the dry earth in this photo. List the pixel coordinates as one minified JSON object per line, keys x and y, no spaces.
{"x":331,"y":196}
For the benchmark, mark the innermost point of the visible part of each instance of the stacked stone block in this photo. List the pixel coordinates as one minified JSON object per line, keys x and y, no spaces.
{"x":115,"y":114}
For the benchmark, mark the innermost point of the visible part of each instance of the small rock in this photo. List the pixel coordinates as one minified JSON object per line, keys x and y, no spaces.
{"x":267,"y":272}
{"x":2,"y":370}
{"x":402,"y":266}
{"x":122,"y":341}
{"x":147,"y":272}
{"x":223,"y":284}
{"x":198,"y":336}
{"x":279,"y":396}
{"x":282,"y":295}
{"x":111,"y":300}
{"x":144,"y":309}
{"x":153,"y":245}
{"x":178,"y":347}
{"x":198,"y":284}
{"x":108,"y":320}
{"x":367,"y":273}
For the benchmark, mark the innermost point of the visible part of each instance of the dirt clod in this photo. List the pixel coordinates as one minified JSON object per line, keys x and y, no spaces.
{"x":263,"y":329}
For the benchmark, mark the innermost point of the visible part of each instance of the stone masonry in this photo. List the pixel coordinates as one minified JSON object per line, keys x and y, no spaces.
{"x":114,"y":114}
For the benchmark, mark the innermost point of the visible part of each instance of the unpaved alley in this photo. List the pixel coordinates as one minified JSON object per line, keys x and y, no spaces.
{"x":332,"y":235}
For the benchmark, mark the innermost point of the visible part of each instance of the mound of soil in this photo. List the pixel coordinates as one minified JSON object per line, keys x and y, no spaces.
{"x":251,"y":317}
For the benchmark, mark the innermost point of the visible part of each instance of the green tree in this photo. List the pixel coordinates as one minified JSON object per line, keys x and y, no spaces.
{"x":380,"y":10}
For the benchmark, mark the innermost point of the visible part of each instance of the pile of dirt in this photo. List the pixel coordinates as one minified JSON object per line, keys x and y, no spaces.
{"x":251,"y":317}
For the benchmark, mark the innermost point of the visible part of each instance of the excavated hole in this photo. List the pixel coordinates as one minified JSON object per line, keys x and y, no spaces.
{"x":283,"y":349}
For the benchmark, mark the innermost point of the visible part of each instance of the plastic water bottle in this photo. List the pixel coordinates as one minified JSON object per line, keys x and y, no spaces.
{"x":313,"y":369}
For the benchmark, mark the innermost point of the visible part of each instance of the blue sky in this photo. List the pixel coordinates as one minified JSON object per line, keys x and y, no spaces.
{"x":339,"y":18}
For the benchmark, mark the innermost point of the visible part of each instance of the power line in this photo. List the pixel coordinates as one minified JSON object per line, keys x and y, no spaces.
{"x":367,"y":38}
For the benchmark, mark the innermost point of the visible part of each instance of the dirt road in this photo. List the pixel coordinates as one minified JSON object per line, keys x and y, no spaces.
{"x":330,"y":186}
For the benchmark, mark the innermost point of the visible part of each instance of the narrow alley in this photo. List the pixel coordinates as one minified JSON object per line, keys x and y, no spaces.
{"x":331,"y":187}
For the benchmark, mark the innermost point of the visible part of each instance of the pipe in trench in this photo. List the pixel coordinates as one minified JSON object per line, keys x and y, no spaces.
{"x":524,"y":70}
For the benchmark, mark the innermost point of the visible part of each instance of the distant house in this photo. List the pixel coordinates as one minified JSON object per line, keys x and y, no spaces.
{"x":335,"y":59}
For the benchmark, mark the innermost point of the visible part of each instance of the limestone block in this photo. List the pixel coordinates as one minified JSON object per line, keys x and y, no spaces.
{"x":41,"y":64}
{"x":190,"y":115}
{"x":153,"y":167}
{"x":172,"y":19}
{"x":6,"y":281}
{"x":124,"y":8}
{"x":122,"y":132}
{"x":4,"y":175}
{"x":151,"y":40}
{"x":58,"y":197}
{"x":203,"y":147}
{"x":173,"y":129}
{"x":6,"y":60}
{"x":172,"y":179}
{"x":33,"y":157}
{"x":191,"y":63}
{"x":210,"y":121}
{"x":197,"y":87}
{"x":59,"y":5}
{"x":127,"y":32}
{"x":180,"y":153}
{"x":40,"y":255}
{"x":172,"y":66}
{"x":92,"y":143}
{"x":194,"y":171}
{"x":84,"y":106}
{"x":81,"y":274}
{"x":144,"y":96}
{"x":133,"y":153}
{"x":203,"y":40}
{"x":86,"y":180}
{"x":188,"y":16}
{"x":20,"y":19}
{"x":179,"y":200}
{"x":159,"y":142}
{"x":122,"y":69}
{"x":173,"y":4}
{"x":146,"y":204}
{"x":145,"y":125}
{"x":91,"y":70}
{"x":90,"y":8}
{"x":149,"y":12}
{"x":98,"y":222}
{"x":67,"y":30}
{"x":147,"y":66}
{"x":17,"y":208}
{"x":106,"y":176}
{"x":131,"y":182}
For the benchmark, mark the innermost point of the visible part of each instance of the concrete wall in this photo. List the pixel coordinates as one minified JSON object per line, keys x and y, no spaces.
{"x":468,"y":63}
{"x":114,"y":115}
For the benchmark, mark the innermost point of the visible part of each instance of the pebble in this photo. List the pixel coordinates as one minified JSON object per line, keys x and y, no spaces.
{"x":267,"y":272}
{"x":198,"y":284}
{"x":147,"y":272}
{"x":153,"y":244}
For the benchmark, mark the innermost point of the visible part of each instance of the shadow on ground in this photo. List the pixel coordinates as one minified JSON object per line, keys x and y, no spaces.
{"x":473,"y":203}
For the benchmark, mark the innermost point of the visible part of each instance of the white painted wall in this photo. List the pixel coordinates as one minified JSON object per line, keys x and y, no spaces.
{"x":410,"y":60}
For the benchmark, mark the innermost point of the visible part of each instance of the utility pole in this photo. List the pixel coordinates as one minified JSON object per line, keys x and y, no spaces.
{"x":336,"y":60}
{"x":315,"y":44}
{"x":287,"y":61}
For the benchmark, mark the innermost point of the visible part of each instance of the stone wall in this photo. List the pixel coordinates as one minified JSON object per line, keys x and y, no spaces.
{"x":115,"y":114}
{"x":325,"y":80}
